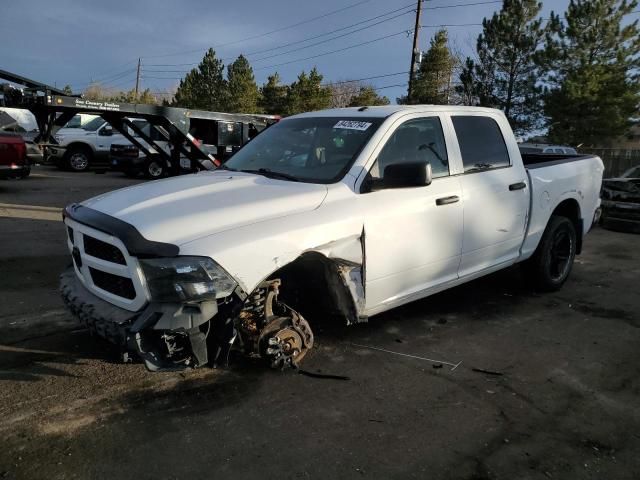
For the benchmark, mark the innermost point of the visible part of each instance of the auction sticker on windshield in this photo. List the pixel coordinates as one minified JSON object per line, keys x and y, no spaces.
{"x":352,"y":125}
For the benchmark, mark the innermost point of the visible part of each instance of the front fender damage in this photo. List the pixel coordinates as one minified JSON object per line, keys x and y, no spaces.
{"x":170,"y":336}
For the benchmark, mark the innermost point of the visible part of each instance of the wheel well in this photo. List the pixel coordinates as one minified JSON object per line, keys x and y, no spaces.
{"x":570,"y":209}
{"x":79,"y":146}
{"x":313,"y":285}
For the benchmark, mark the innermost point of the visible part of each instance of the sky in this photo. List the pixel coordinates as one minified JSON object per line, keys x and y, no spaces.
{"x":75,"y":42}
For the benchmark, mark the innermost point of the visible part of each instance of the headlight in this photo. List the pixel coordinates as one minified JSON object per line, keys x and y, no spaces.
{"x":181,"y":279}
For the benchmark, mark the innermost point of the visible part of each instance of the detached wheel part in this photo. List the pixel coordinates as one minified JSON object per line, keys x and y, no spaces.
{"x":78,"y":159}
{"x":551,"y":263}
{"x":154,"y":169}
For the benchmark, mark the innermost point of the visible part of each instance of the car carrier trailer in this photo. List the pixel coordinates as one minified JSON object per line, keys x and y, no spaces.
{"x":186,"y":131}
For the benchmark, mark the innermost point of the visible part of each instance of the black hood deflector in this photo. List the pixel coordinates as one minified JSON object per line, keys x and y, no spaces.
{"x":136,"y":244}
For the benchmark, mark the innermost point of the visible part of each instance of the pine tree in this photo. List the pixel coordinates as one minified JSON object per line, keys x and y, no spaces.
{"x":593,"y":63}
{"x":204,"y":87}
{"x":242,"y":91}
{"x":145,"y":97}
{"x":307,"y":94}
{"x":432,"y":83}
{"x":367,"y":96}
{"x":273,"y":96}
{"x":506,"y":74}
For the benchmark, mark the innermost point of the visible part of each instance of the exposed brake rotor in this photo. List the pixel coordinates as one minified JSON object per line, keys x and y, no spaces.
{"x":286,"y":340}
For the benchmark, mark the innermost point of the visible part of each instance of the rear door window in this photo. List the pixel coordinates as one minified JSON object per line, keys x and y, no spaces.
{"x":481,"y":143}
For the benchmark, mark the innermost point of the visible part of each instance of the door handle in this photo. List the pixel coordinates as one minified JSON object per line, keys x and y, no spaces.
{"x":447,"y":200}
{"x":517,"y":186}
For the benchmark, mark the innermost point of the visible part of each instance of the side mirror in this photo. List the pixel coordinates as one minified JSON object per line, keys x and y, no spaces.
{"x":106,"y":131}
{"x":410,"y":174}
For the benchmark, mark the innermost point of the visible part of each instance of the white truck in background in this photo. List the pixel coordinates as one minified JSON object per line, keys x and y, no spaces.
{"x":337,"y":214}
{"x":83,"y":144}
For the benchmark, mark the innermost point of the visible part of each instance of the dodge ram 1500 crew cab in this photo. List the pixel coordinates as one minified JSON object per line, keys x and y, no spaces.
{"x":331,"y":215}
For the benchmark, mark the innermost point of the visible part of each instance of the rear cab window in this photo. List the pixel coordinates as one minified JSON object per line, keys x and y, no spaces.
{"x":482,"y":145}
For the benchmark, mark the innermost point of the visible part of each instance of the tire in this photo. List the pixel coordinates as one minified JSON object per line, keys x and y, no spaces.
{"x":551,"y":264}
{"x":154,"y":169}
{"x":25,"y":173}
{"x":78,"y":158}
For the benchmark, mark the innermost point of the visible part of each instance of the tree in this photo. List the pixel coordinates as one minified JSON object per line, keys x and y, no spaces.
{"x":506,"y":73}
{"x":432,"y":83}
{"x":273,"y":96}
{"x":204,"y":87}
{"x":354,"y":94}
{"x":593,"y":81}
{"x":242,"y":90}
{"x":97,"y":92}
{"x":343,"y":92}
{"x":145,"y":97}
{"x":67,"y":90}
{"x":367,"y":96}
{"x":307,"y":94}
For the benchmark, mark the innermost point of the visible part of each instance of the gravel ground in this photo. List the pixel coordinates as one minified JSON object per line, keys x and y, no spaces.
{"x":549,"y":385}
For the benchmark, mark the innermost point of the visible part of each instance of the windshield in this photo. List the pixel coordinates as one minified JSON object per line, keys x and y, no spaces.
{"x":94,"y":124}
{"x":315,"y":150}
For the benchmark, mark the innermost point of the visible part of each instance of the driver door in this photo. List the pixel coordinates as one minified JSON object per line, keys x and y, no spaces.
{"x":413,"y":235}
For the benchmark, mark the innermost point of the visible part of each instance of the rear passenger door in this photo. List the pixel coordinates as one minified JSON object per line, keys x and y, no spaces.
{"x":495,"y":195}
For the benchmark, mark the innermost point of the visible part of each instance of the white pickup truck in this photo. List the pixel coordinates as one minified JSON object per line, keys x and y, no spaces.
{"x":331,"y":215}
{"x":81,"y":146}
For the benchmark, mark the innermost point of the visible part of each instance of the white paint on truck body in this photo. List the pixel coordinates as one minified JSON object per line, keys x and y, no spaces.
{"x":407,"y":246}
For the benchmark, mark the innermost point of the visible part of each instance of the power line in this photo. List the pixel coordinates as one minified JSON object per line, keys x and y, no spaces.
{"x":373,"y":88}
{"x":411,"y":7}
{"x":339,"y":50}
{"x":365,"y":78}
{"x":257,"y":52}
{"x":281,"y":29}
{"x":325,"y":84}
{"x":110,"y":78}
{"x":286,"y":52}
{"x":312,"y":56}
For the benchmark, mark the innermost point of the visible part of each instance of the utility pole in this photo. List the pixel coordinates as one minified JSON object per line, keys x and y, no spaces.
{"x":137,"y":79}
{"x":414,"y":52}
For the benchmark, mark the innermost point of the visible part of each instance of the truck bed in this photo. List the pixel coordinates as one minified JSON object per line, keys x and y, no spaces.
{"x":535,"y":160}
{"x":554,"y":179}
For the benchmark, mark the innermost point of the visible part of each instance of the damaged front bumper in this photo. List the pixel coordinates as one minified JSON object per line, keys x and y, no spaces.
{"x":165,"y":336}
{"x":173,"y":336}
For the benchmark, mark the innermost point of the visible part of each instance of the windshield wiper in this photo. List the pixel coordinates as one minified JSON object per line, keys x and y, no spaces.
{"x":271,"y":174}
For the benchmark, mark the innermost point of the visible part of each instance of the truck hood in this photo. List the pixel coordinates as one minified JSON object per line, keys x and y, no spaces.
{"x":182,"y":209}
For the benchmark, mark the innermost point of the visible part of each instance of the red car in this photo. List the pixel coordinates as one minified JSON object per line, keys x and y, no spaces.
{"x":14,"y":162}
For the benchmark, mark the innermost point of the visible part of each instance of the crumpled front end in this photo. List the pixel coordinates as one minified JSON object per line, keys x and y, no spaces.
{"x":164,"y":336}
{"x":173,"y":311}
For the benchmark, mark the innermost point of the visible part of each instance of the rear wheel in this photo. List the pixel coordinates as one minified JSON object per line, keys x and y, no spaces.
{"x":154,"y":169}
{"x":550,"y":265}
{"x":78,"y":158}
